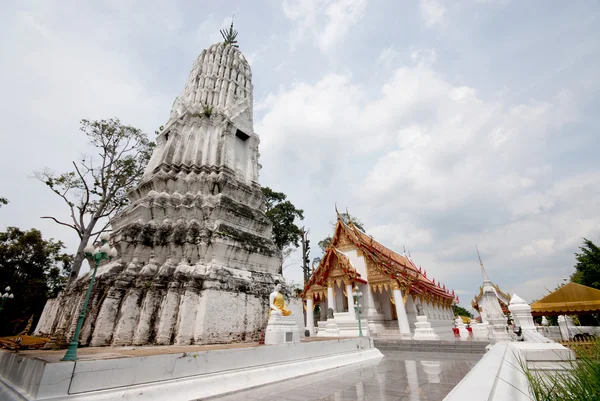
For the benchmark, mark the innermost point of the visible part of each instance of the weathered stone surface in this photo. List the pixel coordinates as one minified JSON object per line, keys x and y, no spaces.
{"x":196,"y":260}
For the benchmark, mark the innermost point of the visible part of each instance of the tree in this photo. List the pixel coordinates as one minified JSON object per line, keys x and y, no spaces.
{"x":3,"y":201}
{"x":588,"y":265}
{"x":34,"y":268}
{"x":460,"y":311}
{"x":283,"y":215}
{"x":97,"y":189}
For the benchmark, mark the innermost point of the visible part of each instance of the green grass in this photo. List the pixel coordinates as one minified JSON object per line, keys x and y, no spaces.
{"x":580,"y":383}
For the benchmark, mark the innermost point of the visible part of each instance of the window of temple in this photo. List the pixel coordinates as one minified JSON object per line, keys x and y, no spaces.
{"x":241,"y":151}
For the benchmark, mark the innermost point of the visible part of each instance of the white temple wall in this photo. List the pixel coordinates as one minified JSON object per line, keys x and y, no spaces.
{"x":411,"y":311}
{"x":358,"y":262}
{"x":107,"y":318}
{"x":130,"y":313}
{"x":225,"y":317}
{"x":340,"y":298}
{"x":47,"y":317}
{"x":323,"y":306}
{"x":146,"y":324}
{"x":372,"y":304}
{"x":386,"y":305}
{"x":186,"y":319}
{"x":241,"y":151}
{"x":294,"y":304}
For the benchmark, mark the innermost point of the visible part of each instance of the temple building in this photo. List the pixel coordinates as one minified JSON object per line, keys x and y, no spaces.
{"x":196,"y":259}
{"x":394,"y":291}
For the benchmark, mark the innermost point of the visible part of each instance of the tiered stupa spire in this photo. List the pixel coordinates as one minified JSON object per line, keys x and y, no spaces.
{"x":196,"y":259}
{"x":483,"y":272}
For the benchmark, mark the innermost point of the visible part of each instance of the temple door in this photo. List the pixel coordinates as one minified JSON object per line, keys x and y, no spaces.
{"x":393,"y":308}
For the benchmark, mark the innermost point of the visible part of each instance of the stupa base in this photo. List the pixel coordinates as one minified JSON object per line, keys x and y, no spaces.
{"x":178,"y":373}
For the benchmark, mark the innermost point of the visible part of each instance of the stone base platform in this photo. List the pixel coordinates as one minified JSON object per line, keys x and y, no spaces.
{"x":281,"y":329}
{"x":343,"y":325}
{"x":178,"y":373}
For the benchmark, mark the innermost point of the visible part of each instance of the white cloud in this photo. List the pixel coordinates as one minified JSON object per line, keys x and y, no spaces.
{"x":432,"y":12}
{"x":388,"y":56}
{"x":423,"y":143}
{"x":325,"y":21}
{"x":427,"y":57}
{"x":431,"y":165}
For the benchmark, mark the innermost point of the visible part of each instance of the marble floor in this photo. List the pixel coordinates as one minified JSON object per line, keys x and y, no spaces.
{"x":399,"y":376}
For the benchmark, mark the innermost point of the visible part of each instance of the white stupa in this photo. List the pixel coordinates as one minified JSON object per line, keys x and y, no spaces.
{"x":196,"y":261}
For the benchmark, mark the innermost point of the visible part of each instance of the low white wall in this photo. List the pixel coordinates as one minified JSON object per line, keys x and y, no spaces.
{"x":498,"y":376}
{"x":184,"y":376}
{"x":553,"y":332}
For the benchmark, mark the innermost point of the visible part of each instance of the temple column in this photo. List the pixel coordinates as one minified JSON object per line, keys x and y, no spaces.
{"x":351,"y":310}
{"x":310,"y":320}
{"x":330,"y":300}
{"x":400,"y":311}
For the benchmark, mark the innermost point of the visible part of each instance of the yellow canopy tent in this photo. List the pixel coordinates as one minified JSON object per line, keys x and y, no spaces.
{"x":570,"y":299}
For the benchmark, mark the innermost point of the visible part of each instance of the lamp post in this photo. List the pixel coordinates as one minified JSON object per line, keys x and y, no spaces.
{"x":104,"y":252}
{"x":357,"y":296}
{"x":6,"y":296}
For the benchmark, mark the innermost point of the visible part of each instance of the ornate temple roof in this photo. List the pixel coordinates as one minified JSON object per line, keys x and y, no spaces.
{"x":334,"y":266}
{"x":391,"y":266}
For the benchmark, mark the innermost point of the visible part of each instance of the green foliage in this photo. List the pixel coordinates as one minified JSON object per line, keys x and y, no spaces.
{"x":3,"y":201}
{"x":229,"y":36}
{"x":346,"y":218}
{"x":588,"y":265}
{"x":97,"y":188}
{"x":324,"y":243}
{"x":580,"y":383}
{"x":208,"y":110}
{"x":35,"y":269}
{"x":460,"y":311}
{"x":283,"y":215}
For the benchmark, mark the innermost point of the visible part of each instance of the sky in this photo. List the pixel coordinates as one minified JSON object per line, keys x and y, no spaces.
{"x":439,"y":124}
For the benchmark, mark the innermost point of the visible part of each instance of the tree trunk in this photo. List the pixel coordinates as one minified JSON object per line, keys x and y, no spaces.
{"x":79,"y":256}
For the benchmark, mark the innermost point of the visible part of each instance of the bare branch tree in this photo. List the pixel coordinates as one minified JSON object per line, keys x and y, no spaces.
{"x":94,"y":192}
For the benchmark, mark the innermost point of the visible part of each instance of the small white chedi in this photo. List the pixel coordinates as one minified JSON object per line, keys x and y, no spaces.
{"x":492,"y":311}
{"x":281,"y":327}
{"x":423,"y":330}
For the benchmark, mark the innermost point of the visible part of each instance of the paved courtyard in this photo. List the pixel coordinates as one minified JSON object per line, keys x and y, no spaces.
{"x":399,"y":376}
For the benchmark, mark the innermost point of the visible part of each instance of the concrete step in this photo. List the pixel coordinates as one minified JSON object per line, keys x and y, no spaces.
{"x":466,"y":347}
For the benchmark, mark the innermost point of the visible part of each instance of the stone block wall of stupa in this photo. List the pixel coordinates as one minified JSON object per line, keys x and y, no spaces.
{"x":196,"y":260}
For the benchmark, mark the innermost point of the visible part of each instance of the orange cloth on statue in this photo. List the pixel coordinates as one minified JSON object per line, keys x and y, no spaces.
{"x":279,"y":303}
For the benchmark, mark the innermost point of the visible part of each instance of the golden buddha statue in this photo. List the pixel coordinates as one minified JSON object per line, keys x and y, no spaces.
{"x":277,"y":302}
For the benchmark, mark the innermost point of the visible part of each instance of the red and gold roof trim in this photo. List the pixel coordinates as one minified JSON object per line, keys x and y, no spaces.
{"x":386,"y":269}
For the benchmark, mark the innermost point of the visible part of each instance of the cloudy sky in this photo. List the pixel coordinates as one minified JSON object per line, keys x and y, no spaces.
{"x":440,"y":124}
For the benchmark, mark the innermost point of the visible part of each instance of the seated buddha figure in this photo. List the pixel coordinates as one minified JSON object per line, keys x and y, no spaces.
{"x":277,"y":303}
